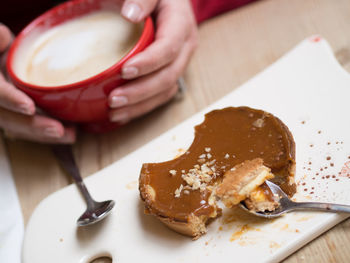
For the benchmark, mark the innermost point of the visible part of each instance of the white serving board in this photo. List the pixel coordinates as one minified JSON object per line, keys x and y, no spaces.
{"x":307,"y":89}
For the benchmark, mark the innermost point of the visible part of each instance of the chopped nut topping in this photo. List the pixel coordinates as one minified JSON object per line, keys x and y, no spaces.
{"x":200,"y":176}
{"x":259,"y":123}
{"x":207,"y":149}
{"x":212,"y":162}
{"x":178,"y":191}
{"x":172,"y":172}
{"x":197,"y":178}
{"x":227,"y":156}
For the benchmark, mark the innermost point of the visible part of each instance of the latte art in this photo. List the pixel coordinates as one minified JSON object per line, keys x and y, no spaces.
{"x":76,"y":50}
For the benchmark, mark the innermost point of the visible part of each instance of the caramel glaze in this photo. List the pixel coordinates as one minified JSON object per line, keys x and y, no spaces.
{"x":231,"y":131}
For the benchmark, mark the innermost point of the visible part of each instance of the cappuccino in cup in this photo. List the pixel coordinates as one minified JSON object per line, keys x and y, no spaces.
{"x":75,"y":50}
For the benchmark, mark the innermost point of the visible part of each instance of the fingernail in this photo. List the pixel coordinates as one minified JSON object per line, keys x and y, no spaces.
{"x":25,"y":109}
{"x":121,"y":117}
{"x":129,"y":72}
{"x":118,"y":101}
{"x":131,"y":11}
{"x":68,"y":137}
{"x":52,"y":132}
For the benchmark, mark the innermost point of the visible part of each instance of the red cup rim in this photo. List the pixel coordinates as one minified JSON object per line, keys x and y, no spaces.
{"x":147,"y":28}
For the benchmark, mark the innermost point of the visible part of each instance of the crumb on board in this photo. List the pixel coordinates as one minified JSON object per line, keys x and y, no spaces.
{"x":132,"y":185}
{"x":236,"y":235}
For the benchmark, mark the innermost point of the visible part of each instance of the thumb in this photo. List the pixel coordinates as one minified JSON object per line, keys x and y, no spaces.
{"x":137,"y":10}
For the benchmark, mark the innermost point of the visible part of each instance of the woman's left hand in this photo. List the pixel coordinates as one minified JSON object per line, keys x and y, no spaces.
{"x":154,"y":72}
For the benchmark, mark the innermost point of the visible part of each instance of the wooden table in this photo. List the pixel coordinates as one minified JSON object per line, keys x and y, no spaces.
{"x":233,"y":48}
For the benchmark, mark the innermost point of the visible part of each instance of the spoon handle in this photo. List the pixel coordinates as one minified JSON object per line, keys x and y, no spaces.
{"x":65,"y":156}
{"x":321,"y":207}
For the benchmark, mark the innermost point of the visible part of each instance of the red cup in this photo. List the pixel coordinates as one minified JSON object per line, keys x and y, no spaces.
{"x":84,"y":102}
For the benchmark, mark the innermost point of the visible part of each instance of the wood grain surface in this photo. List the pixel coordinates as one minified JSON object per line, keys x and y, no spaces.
{"x":233,"y":48}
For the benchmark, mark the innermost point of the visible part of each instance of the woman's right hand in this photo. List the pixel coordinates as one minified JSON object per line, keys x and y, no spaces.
{"x":18,"y":116}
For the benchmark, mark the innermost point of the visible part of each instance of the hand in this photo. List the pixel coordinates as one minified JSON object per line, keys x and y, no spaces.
{"x":154,"y":72}
{"x":18,"y":117}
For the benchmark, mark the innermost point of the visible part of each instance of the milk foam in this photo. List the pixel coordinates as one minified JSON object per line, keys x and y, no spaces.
{"x":77,"y":49}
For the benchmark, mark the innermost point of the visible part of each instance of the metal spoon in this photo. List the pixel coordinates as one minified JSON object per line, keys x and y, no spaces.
{"x":287,"y":205}
{"x":95,"y":211}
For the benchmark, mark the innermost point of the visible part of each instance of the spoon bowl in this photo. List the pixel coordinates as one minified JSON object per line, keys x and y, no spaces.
{"x":287,"y":205}
{"x":95,"y":211}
